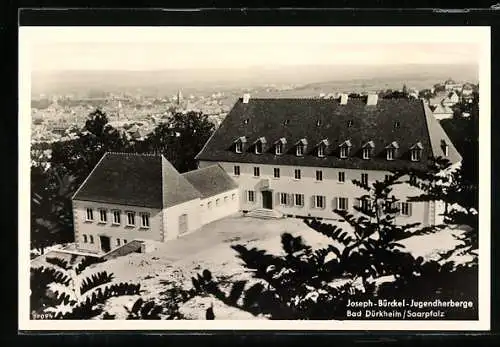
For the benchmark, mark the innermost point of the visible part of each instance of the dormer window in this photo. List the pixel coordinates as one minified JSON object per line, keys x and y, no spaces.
{"x":391,"y":153}
{"x":239,"y":147}
{"x":279,"y":146}
{"x":322,"y":148}
{"x":367,"y":149}
{"x":397,"y":124}
{"x":416,"y":152}
{"x":258,"y":148}
{"x":391,"y":150}
{"x":301,"y":147}
{"x":349,"y":123}
{"x":344,"y":149}
{"x":239,"y":144}
{"x":259,"y":145}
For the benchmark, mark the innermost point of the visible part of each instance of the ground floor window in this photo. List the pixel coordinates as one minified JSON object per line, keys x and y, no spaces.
{"x":365,"y":204}
{"x":319,"y":201}
{"x":299,"y":199}
{"x":342,"y":204}
{"x":283,"y":198}
{"x":91,"y":239}
{"x":131,"y":218}
{"x":85,"y":239}
{"x":251,"y":196}
{"x":406,"y":209}
{"x":144,"y":220}
{"x":118,"y":242}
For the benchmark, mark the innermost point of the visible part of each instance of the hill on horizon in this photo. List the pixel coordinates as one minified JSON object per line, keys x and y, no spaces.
{"x":167,"y":82}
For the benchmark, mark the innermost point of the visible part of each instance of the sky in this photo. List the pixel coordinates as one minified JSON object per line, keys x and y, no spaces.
{"x":163,"y":48}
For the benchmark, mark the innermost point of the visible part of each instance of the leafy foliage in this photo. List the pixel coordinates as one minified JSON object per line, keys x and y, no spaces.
{"x":58,"y":291}
{"x":364,"y":261}
{"x":144,"y":310}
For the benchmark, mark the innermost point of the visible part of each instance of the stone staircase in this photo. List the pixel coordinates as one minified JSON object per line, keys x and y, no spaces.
{"x":131,"y":247}
{"x":264,"y":213}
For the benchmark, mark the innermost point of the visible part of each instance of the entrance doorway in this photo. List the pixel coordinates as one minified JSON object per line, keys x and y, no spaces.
{"x":267,"y":199}
{"x":105,"y":244}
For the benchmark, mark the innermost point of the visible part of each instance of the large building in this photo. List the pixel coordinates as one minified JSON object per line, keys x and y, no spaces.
{"x":135,"y":196}
{"x":299,"y":156}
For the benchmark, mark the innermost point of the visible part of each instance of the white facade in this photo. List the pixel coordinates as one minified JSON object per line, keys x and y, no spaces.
{"x":318,"y":198}
{"x":219,"y":206}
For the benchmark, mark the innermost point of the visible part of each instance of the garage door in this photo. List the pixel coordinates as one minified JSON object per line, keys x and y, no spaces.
{"x":183,"y":224}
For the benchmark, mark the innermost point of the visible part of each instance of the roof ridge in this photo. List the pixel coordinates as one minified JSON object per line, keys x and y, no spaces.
{"x":201,"y":169}
{"x":135,"y":154}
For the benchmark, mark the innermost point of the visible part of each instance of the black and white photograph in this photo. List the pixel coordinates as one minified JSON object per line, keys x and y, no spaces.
{"x":254,"y":178}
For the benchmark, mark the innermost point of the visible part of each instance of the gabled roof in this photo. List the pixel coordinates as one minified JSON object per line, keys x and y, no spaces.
{"x":375,"y":123}
{"x":144,"y":180}
{"x":369,"y":144}
{"x":442,"y":109}
{"x":211,"y":180}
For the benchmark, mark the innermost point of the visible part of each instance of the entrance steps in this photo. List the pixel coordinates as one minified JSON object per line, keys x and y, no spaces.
{"x":264,"y":213}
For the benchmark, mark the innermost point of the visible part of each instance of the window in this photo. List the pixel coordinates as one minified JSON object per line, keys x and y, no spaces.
{"x":279,"y":148}
{"x":124,"y":241}
{"x":236,"y":170}
{"x":297,"y":174}
{"x":342,"y":176}
{"x":217,"y":202}
{"x":258,"y":147}
{"x":406,"y":209}
{"x":321,"y":151}
{"x":366,"y":153}
{"x":300,"y":149}
{"x":256,"y":172}
{"x":299,"y":199}
{"x":225,"y":199}
{"x":387,"y":178}
{"x":131,"y":218}
{"x":390,"y":153}
{"x":283,"y":198}
{"x":118,"y":242}
{"x":319,"y":175}
{"x":416,"y":154}
{"x":239,"y":147}
{"x":251,"y":196}
{"x":90,"y":214}
{"x":209,"y":205}
{"x":233,"y":196}
{"x":116,"y":217}
{"x":319,"y":201}
{"x":103,"y":217}
{"x":145,"y":220}
{"x":397,"y":124}
{"x":445,"y":150}
{"x":364,"y":178}
{"x":91,"y":239}
{"x":349,"y":123}
{"x":365,"y":204}
{"x":342,"y":204}
{"x":276,"y":172}
{"x":343,"y":152}
{"x":85,"y":238}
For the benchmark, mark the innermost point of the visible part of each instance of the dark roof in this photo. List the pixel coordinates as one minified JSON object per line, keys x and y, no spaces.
{"x":211,"y":180}
{"x":136,"y":180}
{"x":369,"y":123}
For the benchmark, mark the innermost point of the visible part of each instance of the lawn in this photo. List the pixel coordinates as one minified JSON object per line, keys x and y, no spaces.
{"x":209,"y":248}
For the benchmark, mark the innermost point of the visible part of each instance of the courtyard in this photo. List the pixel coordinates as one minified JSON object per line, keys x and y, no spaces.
{"x":176,"y":261}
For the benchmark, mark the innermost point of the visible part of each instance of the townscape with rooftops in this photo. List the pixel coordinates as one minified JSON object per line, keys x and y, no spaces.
{"x":291,"y":201}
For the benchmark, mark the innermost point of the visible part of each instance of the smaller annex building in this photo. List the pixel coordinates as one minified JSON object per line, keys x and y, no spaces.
{"x":130,"y":196}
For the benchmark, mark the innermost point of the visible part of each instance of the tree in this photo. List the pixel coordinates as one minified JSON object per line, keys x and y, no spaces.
{"x":307,"y":283}
{"x":180,"y":139}
{"x":64,"y":292}
{"x":79,"y":156}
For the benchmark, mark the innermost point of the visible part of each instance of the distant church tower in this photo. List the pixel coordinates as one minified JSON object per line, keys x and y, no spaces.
{"x":179,"y":97}
{"x":118,"y":112}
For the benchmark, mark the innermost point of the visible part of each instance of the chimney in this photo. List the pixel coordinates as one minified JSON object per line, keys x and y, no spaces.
{"x":246,"y":97}
{"x":343,"y":99}
{"x":372,"y":99}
